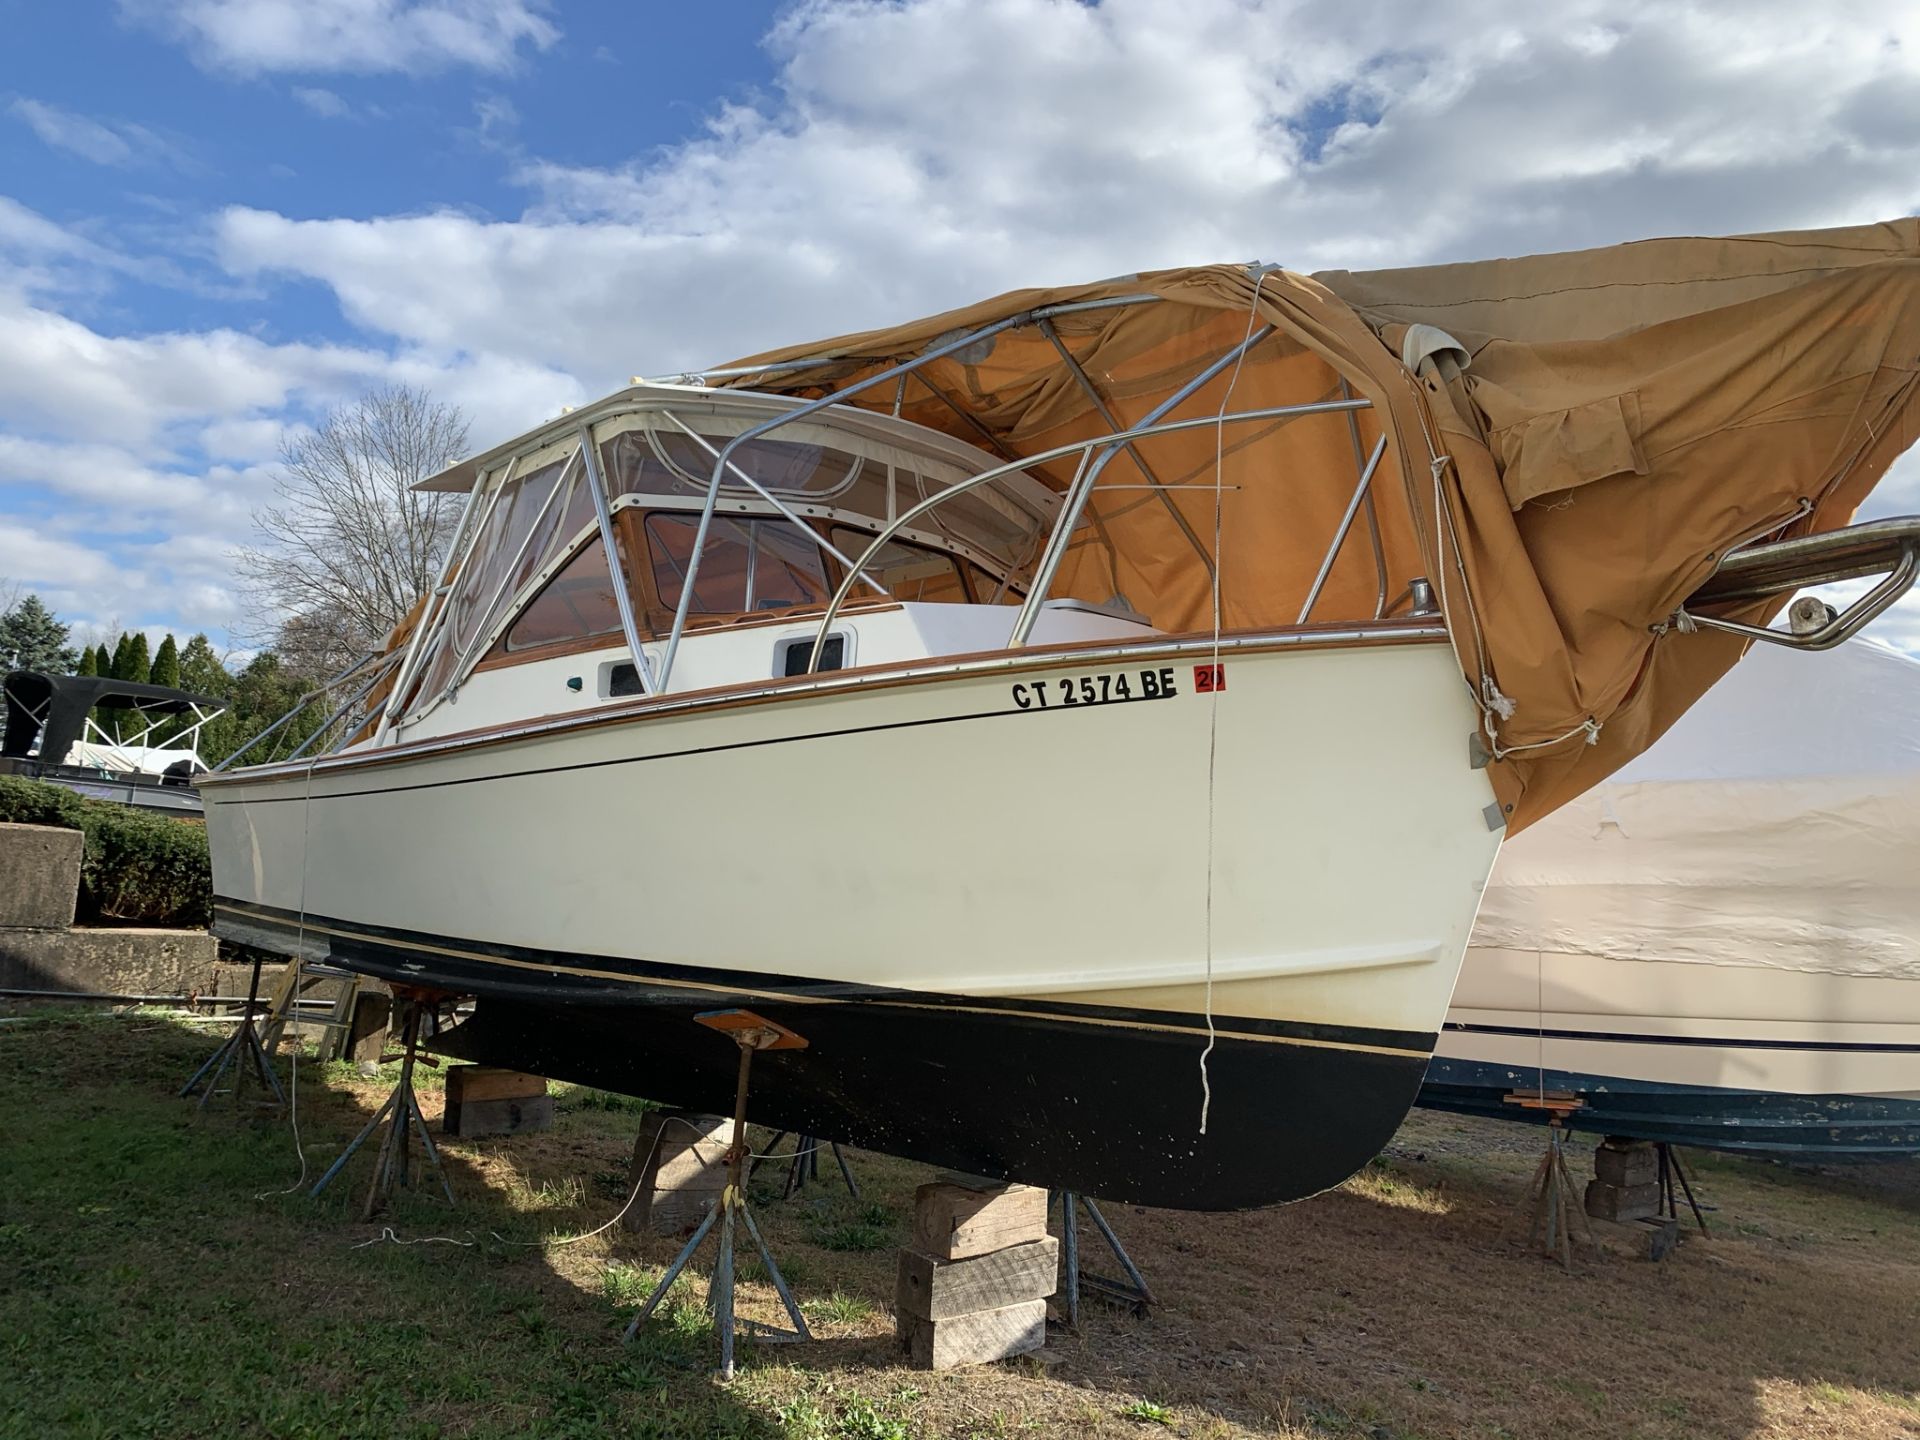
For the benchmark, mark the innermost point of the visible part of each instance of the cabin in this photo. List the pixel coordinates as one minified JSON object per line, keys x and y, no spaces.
{"x":531,"y":622}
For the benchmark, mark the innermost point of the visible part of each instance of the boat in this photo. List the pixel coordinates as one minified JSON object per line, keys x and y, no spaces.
{"x":1089,"y":717}
{"x":1718,"y":945}
{"x":52,"y":735}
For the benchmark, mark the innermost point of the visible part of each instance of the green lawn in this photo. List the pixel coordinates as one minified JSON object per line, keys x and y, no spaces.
{"x":151,"y":1284}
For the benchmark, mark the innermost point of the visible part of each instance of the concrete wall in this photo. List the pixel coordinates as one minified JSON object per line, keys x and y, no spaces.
{"x":39,"y":887}
{"x":39,"y":876}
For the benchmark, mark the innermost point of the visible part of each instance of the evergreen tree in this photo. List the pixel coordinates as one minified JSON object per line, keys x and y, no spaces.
{"x":32,"y":638}
{"x":122,"y":666}
{"x":166,"y":664}
{"x":88,"y":664}
{"x":200,"y":669}
{"x":139,"y":666}
{"x":202,"y":673}
{"x":102,"y":660}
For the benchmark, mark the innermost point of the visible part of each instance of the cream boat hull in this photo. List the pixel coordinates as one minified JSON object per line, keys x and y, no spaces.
{"x":981,"y":890}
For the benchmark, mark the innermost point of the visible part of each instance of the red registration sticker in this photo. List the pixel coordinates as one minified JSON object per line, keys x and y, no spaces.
{"x":1209,"y":678}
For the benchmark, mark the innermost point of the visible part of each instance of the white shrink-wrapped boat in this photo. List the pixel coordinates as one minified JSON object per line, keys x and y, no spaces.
{"x":1089,"y":717}
{"x":1719,"y":945}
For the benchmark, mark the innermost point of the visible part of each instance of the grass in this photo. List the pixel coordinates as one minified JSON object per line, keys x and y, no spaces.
{"x":152,"y":1283}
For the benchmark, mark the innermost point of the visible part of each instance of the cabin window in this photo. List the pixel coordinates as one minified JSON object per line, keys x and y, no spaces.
{"x":577,"y":603}
{"x":521,"y":507}
{"x":908,"y":572}
{"x":748,"y":565}
{"x":663,"y":459}
{"x":795,"y":653}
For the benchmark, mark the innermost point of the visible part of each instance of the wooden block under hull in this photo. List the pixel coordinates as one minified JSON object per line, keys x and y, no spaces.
{"x":926,"y":1288}
{"x":956,"y":1216}
{"x":472,"y":1119}
{"x":488,"y":1082}
{"x":1622,"y":1202}
{"x":974,"y":1339}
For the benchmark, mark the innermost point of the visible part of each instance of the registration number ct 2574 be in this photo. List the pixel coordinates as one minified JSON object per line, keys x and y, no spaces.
{"x":1108,"y":689}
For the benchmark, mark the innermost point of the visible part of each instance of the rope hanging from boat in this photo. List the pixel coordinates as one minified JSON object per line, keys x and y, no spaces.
{"x":1213,"y":699}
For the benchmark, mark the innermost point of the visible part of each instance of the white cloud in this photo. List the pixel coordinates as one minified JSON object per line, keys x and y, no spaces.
{"x":324,"y":103}
{"x":360,"y":36}
{"x":924,"y":154}
{"x":102,"y":142}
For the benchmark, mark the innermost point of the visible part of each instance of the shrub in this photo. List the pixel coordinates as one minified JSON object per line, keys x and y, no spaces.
{"x":136,"y":866}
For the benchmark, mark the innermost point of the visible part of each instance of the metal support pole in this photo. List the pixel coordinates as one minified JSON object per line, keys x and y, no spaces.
{"x":401,"y":1110}
{"x":1078,"y":447}
{"x":616,"y":569}
{"x":1361,"y":492}
{"x":1373,"y":513}
{"x":754,"y":432}
{"x":1133,"y":451}
{"x":1132,"y":1292}
{"x":243,"y":1053}
{"x":1076,"y":500}
{"x":732,"y":1208}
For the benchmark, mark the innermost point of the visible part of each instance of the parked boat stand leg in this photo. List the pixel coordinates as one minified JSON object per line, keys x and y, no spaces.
{"x":805,"y":1163}
{"x":393,"y":1165}
{"x":750,"y":1032}
{"x":242,"y":1053}
{"x":1670,"y":1171}
{"x":1131,"y":1292}
{"x":1553,"y":1201}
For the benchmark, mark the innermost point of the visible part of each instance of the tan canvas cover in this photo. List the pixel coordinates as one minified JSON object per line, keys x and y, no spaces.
{"x":1624,"y":416}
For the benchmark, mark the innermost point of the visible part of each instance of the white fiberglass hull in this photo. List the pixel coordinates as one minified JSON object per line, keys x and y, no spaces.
{"x":1725,"y":1056}
{"x":1017,"y":852}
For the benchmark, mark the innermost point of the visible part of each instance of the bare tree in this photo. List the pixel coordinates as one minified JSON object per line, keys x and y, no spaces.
{"x":347,"y":546}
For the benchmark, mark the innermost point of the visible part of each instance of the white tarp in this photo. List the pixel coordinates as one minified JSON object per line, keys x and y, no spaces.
{"x":129,"y":759}
{"x":1777,"y":824}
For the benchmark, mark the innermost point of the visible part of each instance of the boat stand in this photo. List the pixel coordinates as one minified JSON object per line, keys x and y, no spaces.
{"x":1670,"y":1172}
{"x":394,"y":1163}
{"x":750,"y":1032}
{"x":1131,"y":1292}
{"x":806,"y":1163}
{"x":243,"y":1053}
{"x":1553,"y":1200}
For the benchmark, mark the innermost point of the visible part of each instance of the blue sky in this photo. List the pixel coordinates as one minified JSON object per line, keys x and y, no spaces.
{"x":219,"y":217}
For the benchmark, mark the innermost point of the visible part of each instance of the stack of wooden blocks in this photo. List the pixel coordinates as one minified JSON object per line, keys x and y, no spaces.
{"x":974,"y":1286}
{"x":1626,"y":1183}
{"x":483,"y":1100}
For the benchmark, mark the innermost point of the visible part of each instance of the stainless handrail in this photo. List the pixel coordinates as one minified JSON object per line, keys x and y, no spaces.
{"x":1165,"y":427}
{"x":938,"y":352}
{"x":1839,"y":627}
{"x":325,"y":687}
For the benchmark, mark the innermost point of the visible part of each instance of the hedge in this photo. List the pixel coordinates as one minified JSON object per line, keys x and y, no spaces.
{"x":137,"y":866}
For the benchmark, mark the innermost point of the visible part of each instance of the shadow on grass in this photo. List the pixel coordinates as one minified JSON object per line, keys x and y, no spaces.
{"x":145,"y":1290}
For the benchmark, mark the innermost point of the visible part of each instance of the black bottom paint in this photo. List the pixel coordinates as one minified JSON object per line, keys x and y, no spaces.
{"x":1811,"y":1127}
{"x":1099,"y":1107}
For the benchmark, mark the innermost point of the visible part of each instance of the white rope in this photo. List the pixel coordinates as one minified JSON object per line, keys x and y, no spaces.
{"x":1213,"y":696}
{"x":293,"y":999}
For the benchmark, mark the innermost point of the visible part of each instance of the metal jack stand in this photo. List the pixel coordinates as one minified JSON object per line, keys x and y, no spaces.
{"x":1552,"y":1198}
{"x":806,"y":1163}
{"x":1670,"y":1171}
{"x":242,"y":1051}
{"x":1131,"y":1292}
{"x":750,"y":1032}
{"x":393,"y":1166}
